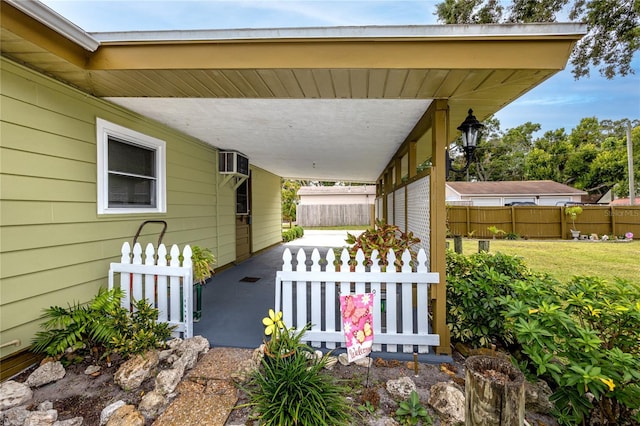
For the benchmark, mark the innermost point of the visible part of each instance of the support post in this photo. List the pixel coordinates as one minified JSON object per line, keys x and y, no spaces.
{"x":457,"y":244}
{"x":483,"y":245}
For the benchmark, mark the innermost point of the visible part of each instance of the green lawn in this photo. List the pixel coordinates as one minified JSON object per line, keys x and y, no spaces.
{"x":564,"y":259}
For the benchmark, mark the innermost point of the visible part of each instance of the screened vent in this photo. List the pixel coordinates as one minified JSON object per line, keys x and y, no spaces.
{"x":233,"y":163}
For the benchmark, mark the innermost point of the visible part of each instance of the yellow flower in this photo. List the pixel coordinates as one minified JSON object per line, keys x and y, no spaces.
{"x":608,"y":382}
{"x":533,"y":311}
{"x":273,"y":322}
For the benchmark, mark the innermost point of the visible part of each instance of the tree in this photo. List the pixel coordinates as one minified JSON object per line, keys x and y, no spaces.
{"x":289,"y":198}
{"x":613,"y":27}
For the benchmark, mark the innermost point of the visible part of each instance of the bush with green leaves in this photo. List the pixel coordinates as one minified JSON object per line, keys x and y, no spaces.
{"x":292,"y":234}
{"x":583,"y":338}
{"x":295,"y":391}
{"x":474,"y":285}
{"x":100,"y":327}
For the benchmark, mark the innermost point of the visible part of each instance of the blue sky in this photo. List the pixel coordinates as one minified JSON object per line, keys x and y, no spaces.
{"x":560,"y":102}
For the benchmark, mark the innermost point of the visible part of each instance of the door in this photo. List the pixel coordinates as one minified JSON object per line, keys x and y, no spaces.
{"x":243,"y":220}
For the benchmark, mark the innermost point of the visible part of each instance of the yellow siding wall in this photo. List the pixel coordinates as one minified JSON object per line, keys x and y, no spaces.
{"x":266,"y":210}
{"x":54,"y":248}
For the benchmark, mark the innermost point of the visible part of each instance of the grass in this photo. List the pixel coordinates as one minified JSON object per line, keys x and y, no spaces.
{"x":564,"y":259}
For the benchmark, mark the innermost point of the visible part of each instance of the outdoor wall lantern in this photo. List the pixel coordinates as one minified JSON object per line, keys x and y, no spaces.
{"x":471,"y":130}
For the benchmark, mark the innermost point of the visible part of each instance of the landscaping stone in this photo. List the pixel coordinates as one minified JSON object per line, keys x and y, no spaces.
{"x":448,"y":401}
{"x":46,"y":373}
{"x":401,"y":388}
{"x":152,"y":404}
{"x":109,"y":410}
{"x":13,"y":393}
{"x":537,"y":397}
{"x":41,"y":418}
{"x":76,"y":421}
{"x":136,"y":370}
{"x":14,"y":416}
{"x":167,"y":380}
{"x":127,"y":415}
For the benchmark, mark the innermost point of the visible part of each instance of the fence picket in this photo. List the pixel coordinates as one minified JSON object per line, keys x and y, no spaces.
{"x":150,"y":279}
{"x":422,"y":299}
{"x":162,"y":290}
{"x":301,"y":291}
{"x":125,"y":278}
{"x":330,"y":298}
{"x":136,"y":291}
{"x":407,"y":300}
{"x":376,"y":288}
{"x":391,"y":305}
{"x":316,"y":297}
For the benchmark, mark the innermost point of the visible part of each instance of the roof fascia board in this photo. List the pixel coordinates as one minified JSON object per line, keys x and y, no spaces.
{"x":56,"y":22}
{"x":418,"y":32}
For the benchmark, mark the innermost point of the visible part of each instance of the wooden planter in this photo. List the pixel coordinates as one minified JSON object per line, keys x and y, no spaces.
{"x":494,"y":392}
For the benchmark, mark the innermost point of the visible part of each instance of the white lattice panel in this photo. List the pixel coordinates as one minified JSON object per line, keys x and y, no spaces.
{"x":418,"y":212}
{"x":390,"y":218}
{"x":399,"y":217}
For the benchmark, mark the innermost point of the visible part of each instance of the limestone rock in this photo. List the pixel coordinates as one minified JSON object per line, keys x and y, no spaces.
{"x":92,"y":370}
{"x":187,"y":360}
{"x":537,"y":397}
{"x":109,"y":410}
{"x":382,"y":421}
{"x":167,"y":380}
{"x":45,"y":405}
{"x":343,"y":359}
{"x":127,"y":415}
{"x":13,"y":394}
{"x":15,"y":416}
{"x":331,"y":362}
{"x":401,"y":388}
{"x":363,"y":362}
{"x":76,"y":421}
{"x":46,"y":373}
{"x":448,"y":401}
{"x":152,"y":404}
{"x":199,"y":344}
{"x":41,"y":418}
{"x":136,"y":370}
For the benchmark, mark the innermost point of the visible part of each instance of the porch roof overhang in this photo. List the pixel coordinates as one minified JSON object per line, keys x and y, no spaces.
{"x":312,"y":103}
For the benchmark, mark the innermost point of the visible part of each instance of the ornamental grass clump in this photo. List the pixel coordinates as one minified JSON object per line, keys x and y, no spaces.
{"x":583,"y":338}
{"x":289,"y":387}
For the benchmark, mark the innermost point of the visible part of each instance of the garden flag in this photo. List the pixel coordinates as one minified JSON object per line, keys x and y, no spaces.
{"x":357,"y":324}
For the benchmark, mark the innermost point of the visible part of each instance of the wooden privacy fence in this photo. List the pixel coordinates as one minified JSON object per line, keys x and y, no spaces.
{"x":166,"y":284}
{"x":400,"y":308}
{"x":543,"y":222}
{"x":333,"y":214}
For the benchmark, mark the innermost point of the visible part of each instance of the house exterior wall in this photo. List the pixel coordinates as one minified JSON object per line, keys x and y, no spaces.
{"x":54,"y":247}
{"x":266,"y":209}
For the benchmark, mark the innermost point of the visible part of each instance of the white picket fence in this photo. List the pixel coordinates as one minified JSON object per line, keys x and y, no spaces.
{"x":167,"y":285}
{"x":310,"y":294}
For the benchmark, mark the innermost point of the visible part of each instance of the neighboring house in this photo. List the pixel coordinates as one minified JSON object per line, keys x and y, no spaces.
{"x":103,"y":131}
{"x":539,"y":193}
{"x":335,"y":205}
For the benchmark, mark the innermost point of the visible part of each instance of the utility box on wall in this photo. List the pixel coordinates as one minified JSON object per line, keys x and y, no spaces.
{"x":233,"y":163}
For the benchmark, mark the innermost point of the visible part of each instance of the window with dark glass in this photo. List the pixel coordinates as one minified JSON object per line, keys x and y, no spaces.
{"x":242,"y":198}
{"x":132,"y":175}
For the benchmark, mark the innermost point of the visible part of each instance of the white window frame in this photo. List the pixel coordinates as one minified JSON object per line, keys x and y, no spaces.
{"x":105,"y":129}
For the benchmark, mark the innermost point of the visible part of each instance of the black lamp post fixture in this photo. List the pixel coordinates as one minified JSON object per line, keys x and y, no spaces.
{"x":471,"y":132}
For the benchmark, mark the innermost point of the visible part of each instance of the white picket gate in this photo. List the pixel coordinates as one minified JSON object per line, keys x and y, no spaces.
{"x":167,"y":285}
{"x":311,"y":295}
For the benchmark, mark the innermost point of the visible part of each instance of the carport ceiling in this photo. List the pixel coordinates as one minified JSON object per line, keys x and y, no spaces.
{"x":313,"y":103}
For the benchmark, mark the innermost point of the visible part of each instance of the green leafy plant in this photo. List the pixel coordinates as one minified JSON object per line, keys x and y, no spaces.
{"x":474,"y":285}
{"x":292,"y":234}
{"x":297,"y":392}
{"x":100,"y":327}
{"x":495,"y":231}
{"x":572,"y":213}
{"x":411,"y":411}
{"x":88,"y":327}
{"x":583,"y":339}
{"x":203,"y":261}
{"x":512,"y":236}
{"x":383,"y":237}
{"x":139,"y":331}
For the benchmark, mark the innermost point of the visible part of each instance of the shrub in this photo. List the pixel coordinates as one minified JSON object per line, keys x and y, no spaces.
{"x":295,"y":391}
{"x":583,"y":338}
{"x":101,"y":327}
{"x":292,"y":234}
{"x":474,"y":285}
{"x":383,"y":237}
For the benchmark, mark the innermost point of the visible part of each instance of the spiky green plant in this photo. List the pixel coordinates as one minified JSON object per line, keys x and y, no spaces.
{"x":80,"y":326}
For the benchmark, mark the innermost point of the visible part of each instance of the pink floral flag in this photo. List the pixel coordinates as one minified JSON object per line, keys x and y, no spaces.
{"x":357,"y":324}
